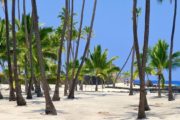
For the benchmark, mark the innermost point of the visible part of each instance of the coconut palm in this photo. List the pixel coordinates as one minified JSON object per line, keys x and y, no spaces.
{"x":141,"y":65}
{"x":97,"y":64}
{"x":56,"y":92}
{"x":71,"y":93}
{"x":159,"y":61}
{"x":11,"y":94}
{"x":20,"y":100}
{"x":50,"y":109}
{"x":170,"y":95}
{"x":78,"y":38}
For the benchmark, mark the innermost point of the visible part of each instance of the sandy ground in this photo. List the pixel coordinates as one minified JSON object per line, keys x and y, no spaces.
{"x":107,"y":104}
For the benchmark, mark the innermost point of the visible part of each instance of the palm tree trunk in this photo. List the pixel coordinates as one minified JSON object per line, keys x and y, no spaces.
{"x":29,"y":46}
{"x":50,"y":109}
{"x":26,"y":74}
{"x":132,"y":71}
{"x":141,"y":67}
{"x":78,"y":40}
{"x":96,"y":87}
{"x":159,"y":85}
{"x":20,"y":100}
{"x":170,"y":95}
{"x":11,"y":94}
{"x":67,"y":81}
{"x":71,"y":94}
{"x":56,"y":92}
{"x":141,"y":111}
{"x":19,"y":13}
{"x":145,"y":50}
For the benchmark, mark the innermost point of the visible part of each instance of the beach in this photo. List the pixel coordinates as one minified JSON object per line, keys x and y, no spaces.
{"x":107,"y":104}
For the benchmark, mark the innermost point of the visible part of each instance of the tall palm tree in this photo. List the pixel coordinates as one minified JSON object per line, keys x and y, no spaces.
{"x":170,"y":95}
{"x":11,"y":94}
{"x":78,"y":39}
{"x":71,"y":93}
{"x":68,"y":49}
{"x":20,"y":100}
{"x":56,"y":92}
{"x":138,"y":12}
{"x":50,"y":109}
{"x":145,"y":50}
{"x":141,"y":65}
{"x":29,"y":46}
{"x":160,"y":61}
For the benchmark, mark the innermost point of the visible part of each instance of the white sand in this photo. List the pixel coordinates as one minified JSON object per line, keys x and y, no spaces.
{"x":109,"y":104}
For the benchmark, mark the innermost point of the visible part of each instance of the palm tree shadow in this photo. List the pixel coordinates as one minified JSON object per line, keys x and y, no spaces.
{"x":42,"y":111}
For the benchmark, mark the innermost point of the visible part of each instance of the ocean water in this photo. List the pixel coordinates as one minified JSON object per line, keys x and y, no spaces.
{"x":174,"y":82}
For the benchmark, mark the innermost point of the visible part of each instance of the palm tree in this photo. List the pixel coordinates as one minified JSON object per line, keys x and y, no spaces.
{"x":138,"y":12}
{"x":98,"y":65}
{"x":141,"y":65}
{"x":50,"y":109}
{"x":170,"y":95}
{"x":56,"y":92}
{"x":71,"y":93}
{"x":29,"y":46}
{"x":20,"y":99}
{"x":159,"y":61}
{"x":69,"y":33}
{"x":132,"y":71}
{"x":78,"y":40}
{"x":11,"y":94}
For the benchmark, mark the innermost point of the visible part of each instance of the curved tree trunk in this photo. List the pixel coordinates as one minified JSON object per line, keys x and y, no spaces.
{"x":71,"y":94}
{"x":170,"y":95}
{"x":141,"y":67}
{"x":141,"y":111}
{"x":132,"y":71}
{"x":11,"y":94}
{"x":50,"y":109}
{"x":20,"y":100}
{"x":56,"y":96}
{"x":78,"y":40}
{"x":145,"y":49}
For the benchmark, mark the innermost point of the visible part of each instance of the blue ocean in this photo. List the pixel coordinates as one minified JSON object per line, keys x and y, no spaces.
{"x":174,"y":82}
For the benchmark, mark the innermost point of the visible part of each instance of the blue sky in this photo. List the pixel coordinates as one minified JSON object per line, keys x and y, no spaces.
{"x":113,"y":24}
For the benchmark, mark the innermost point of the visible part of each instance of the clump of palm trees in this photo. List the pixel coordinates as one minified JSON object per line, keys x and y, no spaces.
{"x":34,"y":54}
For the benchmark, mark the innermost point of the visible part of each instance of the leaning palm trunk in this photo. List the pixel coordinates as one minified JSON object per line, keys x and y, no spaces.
{"x":71,"y":94}
{"x":132,"y":71}
{"x":56,"y":92}
{"x":170,"y":95}
{"x":78,"y":40}
{"x":11,"y":94}
{"x":20,"y":99}
{"x":50,"y":109}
